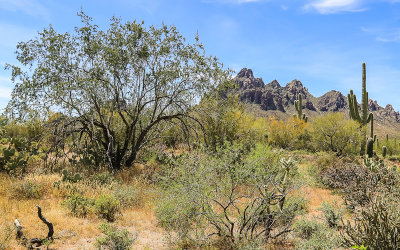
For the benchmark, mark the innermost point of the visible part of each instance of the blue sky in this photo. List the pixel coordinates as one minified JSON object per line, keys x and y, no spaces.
{"x":320,"y":42}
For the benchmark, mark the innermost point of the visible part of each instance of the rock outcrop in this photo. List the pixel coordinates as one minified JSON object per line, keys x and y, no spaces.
{"x":273,"y":96}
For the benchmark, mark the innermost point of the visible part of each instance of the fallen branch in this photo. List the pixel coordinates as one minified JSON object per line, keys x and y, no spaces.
{"x":34,"y":242}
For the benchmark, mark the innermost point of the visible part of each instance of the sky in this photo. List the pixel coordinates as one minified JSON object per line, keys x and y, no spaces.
{"x":319,"y":42}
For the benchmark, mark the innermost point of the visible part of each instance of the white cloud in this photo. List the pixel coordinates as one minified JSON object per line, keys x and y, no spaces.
{"x":29,"y":7}
{"x":334,"y":6}
{"x":386,"y":35}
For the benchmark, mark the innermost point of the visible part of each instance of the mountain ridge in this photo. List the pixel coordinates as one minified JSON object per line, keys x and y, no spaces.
{"x":274,"y":97}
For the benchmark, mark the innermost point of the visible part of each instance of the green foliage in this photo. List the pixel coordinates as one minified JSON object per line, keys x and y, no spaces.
{"x":305,"y":229}
{"x":332,"y":213}
{"x":290,"y":133}
{"x":102,"y":179}
{"x":114,"y":239}
{"x":107,"y":207}
{"x":127,"y":196}
{"x":143,"y":79}
{"x":315,"y":235}
{"x":373,"y":164}
{"x":333,"y":132}
{"x":79,"y":205}
{"x":18,"y":144}
{"x":376,"y":226}
{"x":321,"y":240}
{"x":26,"y":190}
{"x":230,"y":195}
{"x":69,"y":177}
{"x":225,"y":120}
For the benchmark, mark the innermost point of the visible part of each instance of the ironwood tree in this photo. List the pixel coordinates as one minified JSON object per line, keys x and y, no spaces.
{"x":114,"y":90}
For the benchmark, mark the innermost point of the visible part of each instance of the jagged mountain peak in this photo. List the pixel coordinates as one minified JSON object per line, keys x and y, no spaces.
{"x":274,"y":84}
{"x":273,"y":96}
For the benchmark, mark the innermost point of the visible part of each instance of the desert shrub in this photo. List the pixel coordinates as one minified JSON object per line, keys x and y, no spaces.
{"x":101,"y":179}
{"x":376,"y":226}
{"x":357,"y":183}
{"x":334,"y":132}
{"x":26,"y":189}
{"x":324,"y":239}
{"x":325,"y":160}
{"x":78,"y":205}
{"x":107,"y":207}
{"x":69,"y":177}
{"x":19,"y":143}
{"x":305,"y":229}
{"x":114,"y":239}
{"x":289,"y":133}
{"x":332,"y":213}
{"x":127,"y":196}
{"x":232,"y":195}
{"x":225,"y":120}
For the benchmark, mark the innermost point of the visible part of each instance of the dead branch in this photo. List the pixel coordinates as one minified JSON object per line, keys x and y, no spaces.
{"x":34,"y":242}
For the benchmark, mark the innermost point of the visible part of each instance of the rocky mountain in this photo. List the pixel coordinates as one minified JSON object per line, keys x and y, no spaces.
{"x":274,"y":97}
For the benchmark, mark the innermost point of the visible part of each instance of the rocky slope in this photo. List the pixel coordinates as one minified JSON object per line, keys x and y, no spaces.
{"x":274,"y":97}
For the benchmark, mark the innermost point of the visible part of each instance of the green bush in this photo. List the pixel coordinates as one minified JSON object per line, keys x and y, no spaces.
{"x":69,"y":177}
{"x":101,"y":179}
{"x":376,"y":226}
{"x":333,"y":214}
{"x":26,"y":190}
{"x":324,"y":239}
{"x":334,"y":132}
{"x":114,"y":239}
{"x":305,"y":229}
{"x":231,"y":195}
{"x":127,"y":196}
{"x":107,"y":207}
{"x":78,"y":205}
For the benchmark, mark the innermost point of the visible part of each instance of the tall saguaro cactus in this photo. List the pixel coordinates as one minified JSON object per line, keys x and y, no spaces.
{"x":365,"y":117}
{"x":298,"y":104}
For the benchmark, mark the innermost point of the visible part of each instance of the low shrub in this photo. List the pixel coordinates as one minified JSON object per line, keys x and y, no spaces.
{"x":376,"y":226}
{"x":305,"y":229}
{"x":114,"y":239}
{"x":325,"y":239}
{"x":78,"y":205}
{"x":107,"y":207}
{"x":26,"y":190}
{"x":357,"y":183}
{"x":332,"y":213}
{"x":127,"y":196}
{"x":230,"y":196}
{"x":102,"y":179}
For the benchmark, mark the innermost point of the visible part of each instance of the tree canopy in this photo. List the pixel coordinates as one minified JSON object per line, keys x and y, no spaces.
{"x":116,"y":89}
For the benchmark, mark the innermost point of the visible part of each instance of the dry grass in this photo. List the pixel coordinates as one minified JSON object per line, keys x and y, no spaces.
{"x":72,"y":232}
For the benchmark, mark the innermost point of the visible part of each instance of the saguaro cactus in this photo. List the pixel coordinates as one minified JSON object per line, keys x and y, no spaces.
{"x":298,"y":104}
{"x":384,"y":151}
{"x":365,"y":117}
{"x":370,"y":147}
